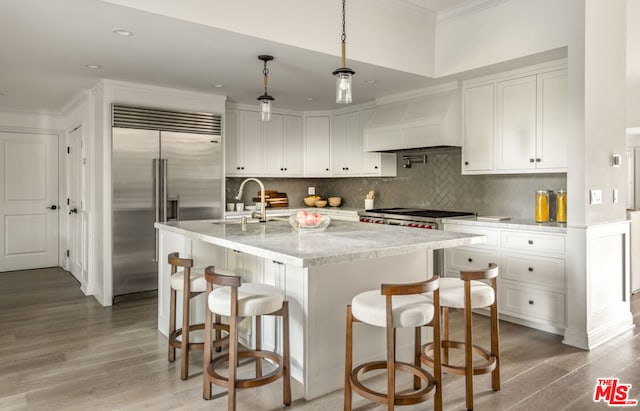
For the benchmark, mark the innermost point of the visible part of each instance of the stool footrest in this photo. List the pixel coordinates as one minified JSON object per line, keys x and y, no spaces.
{"x":414,"y":397}
{"x":484,"y":368}
{"x":247,"y":382}
{"x":198,"y":346}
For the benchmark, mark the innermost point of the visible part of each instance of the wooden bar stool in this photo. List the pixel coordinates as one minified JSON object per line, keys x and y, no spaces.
{"x":190,"y":281}
{"x":468,"y":293}
{"x":395,"y":306}
{"x":236,"y":300}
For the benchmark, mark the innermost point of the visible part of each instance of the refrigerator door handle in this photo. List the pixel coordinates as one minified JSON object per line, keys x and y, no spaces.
{"x":156,"y":202}
{"x":165,"y":195}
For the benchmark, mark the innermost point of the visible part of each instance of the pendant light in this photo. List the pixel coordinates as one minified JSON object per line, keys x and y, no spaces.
{"x":343,"y":74}
{"x":265,"y":99}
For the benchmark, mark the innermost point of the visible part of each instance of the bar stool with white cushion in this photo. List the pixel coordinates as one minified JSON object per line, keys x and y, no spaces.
{"x":469,"y":293}
{"x":188,"y":280}
{"x":395,"y":306}
{"x":236,"y":300}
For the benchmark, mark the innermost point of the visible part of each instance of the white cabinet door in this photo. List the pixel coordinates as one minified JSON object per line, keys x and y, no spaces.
{"x":552,"y":127}
{"x":370,"y":161}
{"x":516,"y":124}
{"x":353,"y":143}
{"x":274,"y":164}
{"x":293,"y":150}
{"x":317,"y":149}
{"x":28,"y":201}
{"x":243,"y":149}
{"x":478,"y":147}
{"x":338,"y":141}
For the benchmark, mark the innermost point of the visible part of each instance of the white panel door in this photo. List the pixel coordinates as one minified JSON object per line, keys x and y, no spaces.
{"x":76,"y":224}
{"x":28,"y":194}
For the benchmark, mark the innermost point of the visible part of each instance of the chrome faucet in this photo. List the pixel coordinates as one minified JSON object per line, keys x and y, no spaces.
{"x":263,"y":201}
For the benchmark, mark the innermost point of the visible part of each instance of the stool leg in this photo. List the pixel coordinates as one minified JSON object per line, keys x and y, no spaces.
{"x":172,"y":324}
{"x":218,"y":331}
{"x":184,"y":351}
{"x":391,"y":369}
{"x":468,"y":343}
{"x":233,"y":361}
{"x":348,"y":362}
{"x":285,"y":354}
{"x":495,"y":374}
{"x":416,"y":353}
{"x":445,"y":325}
{"x":437,"y":348}
{"x":206,"y":388}
{"x":258,"y":345}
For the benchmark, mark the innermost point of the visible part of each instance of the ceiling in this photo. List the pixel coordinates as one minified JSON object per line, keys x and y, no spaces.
{"x":47,"y":44}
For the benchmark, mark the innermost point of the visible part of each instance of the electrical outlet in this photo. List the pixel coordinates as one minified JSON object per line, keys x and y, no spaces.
{"x":615,"y":196}
{"x":311,"y":191}
{"x":595,"y":196}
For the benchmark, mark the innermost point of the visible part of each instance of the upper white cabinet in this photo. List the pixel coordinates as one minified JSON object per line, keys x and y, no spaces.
{"x":477,"y":148}
{"x":243,"y":147}
{"x":284,"y":146}
{"x":317,"y":161}
{"x":516,"y":123}
{"x":346,"y":144}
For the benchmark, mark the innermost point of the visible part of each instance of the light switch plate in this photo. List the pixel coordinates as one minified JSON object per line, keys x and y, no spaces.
{"x":615,"y":196}
{"x":595,"y":196}
{"x":311,"y":191}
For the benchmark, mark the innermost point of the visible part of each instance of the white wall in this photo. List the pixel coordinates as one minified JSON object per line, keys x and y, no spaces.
{"x":382,"y":32}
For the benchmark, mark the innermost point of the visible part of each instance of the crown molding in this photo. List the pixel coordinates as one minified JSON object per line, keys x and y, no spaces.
{"x":467,"y":8}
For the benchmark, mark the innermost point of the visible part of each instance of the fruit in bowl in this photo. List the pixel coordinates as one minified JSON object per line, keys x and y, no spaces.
{"x":335,"y":201}
{"x":320,"y":203}
{"x":309,"y":222}
{"x":310,"y":201}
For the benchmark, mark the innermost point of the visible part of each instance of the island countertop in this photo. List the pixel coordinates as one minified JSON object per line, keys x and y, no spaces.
{"x":342,"y":241}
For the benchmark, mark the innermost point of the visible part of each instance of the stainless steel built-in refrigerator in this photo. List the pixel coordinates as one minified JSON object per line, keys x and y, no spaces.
{"x":165,"y":166}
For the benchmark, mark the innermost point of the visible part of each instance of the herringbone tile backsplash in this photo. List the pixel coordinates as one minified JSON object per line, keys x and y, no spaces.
{"x":436,"y":185}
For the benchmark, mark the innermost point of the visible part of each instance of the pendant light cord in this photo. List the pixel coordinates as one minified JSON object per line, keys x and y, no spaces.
{"x":344,"y":35}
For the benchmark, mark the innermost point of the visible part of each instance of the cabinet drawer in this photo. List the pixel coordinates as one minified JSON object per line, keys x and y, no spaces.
{"x":469,"y":258}
{"x":531,"y":303}
{"x":533,"y":242}
{"x":534,"y":270}
{"x":493,"y":235}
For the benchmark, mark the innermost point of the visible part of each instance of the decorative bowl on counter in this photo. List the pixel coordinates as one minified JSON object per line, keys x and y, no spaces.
{"x":304,"y":222}
{"x":320,"y":203}
{"x":335,"y":201}
{"x":310,"y":201}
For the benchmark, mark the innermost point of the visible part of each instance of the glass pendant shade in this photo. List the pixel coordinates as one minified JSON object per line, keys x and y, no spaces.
{"x":343,"y":87}
{"x":265,"y":109}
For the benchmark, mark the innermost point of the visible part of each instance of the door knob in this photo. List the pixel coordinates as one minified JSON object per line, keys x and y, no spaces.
{"x":73,"y":210}
{"x":53,"y":207}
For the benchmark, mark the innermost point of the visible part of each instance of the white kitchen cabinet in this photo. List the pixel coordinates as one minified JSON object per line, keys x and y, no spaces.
{"x":317,"y":160}
{"x":516,"y":122}
{"x":284,"y":146}
{"x":375,"y":164}
{"x":531,"y":279}
{"x":243,"y":146}
{"x":477,"y":149}
{"x":346,"y":144}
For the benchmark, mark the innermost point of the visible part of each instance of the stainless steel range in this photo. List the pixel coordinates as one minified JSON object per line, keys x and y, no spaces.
{"x":417,"y":218}
{"x":410,"y":217}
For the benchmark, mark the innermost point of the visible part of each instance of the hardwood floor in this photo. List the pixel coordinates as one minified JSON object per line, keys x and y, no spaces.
{"x":60,"y":350}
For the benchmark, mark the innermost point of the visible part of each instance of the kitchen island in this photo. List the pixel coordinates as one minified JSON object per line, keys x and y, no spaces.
{"x":319,"y":273}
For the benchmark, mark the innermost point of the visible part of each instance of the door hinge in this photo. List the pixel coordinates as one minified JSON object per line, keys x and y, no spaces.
{"x":67,"y":253}
{"x":68,"y":150}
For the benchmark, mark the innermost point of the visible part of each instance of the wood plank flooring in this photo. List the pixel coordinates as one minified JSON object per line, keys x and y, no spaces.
{"x":60,"y":350}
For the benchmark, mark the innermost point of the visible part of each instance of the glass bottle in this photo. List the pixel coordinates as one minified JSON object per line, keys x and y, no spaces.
{"x":542,"y":206}
{"x":562,"y":206}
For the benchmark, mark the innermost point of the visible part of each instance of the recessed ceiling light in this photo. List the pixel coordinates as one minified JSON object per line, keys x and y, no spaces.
{"x":371,"y":81}
{"x":218,"y":85}
{"x":309,"y":98}
{"x":122,"y":32}
{"x":93,"y":66}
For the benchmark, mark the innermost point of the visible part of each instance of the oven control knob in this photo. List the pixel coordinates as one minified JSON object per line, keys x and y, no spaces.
{"x":430,"y":227}
{"x":421,"y":226}
{"x":411,"y":225}
{"x":378,"y":222}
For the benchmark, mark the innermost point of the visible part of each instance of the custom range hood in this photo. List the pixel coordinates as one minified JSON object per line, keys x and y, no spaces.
{"x":425,"y":119}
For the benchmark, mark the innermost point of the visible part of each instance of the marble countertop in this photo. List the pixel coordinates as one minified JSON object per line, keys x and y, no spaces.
{"x":282,"y":211}
{"x":342,"y":241}
{"x":514,"y":224}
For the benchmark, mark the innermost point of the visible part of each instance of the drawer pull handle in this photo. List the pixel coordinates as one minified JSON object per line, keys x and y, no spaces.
{"x":530,"y":302}
{"x":530,"y":269}
{"x":530,"y":242}
{"x":470,"y":259}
